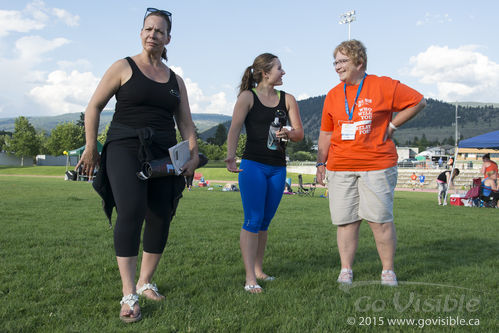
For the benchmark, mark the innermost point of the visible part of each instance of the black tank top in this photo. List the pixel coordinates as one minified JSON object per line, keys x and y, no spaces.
{"x":257,"y":125}
{"x":443,"y":176}
{"x":142,"y":102}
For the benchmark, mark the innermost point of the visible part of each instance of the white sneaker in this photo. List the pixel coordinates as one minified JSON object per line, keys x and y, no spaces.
{"x":388,"y":278}
{"x":346,"y":276}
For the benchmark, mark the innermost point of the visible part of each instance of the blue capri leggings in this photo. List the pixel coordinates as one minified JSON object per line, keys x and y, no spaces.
{"x":261,"y":187}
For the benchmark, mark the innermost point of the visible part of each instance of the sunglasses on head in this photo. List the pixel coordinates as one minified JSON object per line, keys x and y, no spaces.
{"x":153,"y":10}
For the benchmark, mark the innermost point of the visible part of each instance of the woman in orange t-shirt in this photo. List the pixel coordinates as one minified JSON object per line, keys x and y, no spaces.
{"x":358,"y":157}
{"x":488,"y":165}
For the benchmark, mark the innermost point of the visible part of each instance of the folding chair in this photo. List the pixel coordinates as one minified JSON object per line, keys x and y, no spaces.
{"x":488,"y":197}
{"x":305,"y":189}
{"x":474,"y":193}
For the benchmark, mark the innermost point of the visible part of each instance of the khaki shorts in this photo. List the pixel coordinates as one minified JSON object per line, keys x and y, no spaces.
{"x":358,"y":195}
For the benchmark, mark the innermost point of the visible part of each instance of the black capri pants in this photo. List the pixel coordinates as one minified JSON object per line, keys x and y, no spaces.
{"x":153,"y":200}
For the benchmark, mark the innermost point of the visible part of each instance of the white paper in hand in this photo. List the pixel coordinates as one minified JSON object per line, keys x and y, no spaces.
{"x":180,"y":154}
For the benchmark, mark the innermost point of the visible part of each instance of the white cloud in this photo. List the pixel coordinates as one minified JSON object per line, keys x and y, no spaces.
{"x":68,"y":18}
{"x":434,"y":18}
{"x":13,"y":21}
{"x":82,"y":65}
{"x":25,"y":65}
{"x":32,"y":47}
{"x":201,"y":103}
{"x":459,"y":74}
{"x":302,"y":96}
{"x":35,"y":16}
{"x":65,"y":92}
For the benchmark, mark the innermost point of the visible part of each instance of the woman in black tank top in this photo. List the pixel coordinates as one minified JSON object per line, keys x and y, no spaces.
{"x":150,"y":99}
{"x":260,"y":107}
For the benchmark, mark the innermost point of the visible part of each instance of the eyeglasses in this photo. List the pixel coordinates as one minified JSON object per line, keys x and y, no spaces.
{"x":153,"y":10}
{"x":340,"y":62}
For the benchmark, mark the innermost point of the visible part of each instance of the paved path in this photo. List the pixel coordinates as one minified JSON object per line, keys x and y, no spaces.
{"x":37,"y":176}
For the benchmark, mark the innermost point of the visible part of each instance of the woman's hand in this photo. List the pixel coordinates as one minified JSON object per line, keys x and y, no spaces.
{"x":231,"y":165}
{"x":89,"y":161}
{"x":388,"y":133}
{"x":321,"y":174}
{"x":189,"y":168}
{"x":284,"y":133}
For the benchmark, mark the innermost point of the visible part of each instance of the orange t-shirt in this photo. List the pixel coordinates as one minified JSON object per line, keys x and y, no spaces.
{"x":379,"y":98}
{"x":491,"y":167}
{"x":414,"y":177}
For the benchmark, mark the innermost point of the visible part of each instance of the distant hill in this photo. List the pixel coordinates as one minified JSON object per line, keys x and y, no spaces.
{"x":202,"y":121}
{"x":436,"y":121}
{"x":495,"y":105}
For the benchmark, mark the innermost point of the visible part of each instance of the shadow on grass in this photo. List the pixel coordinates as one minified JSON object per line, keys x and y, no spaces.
{"x":430,"y":257}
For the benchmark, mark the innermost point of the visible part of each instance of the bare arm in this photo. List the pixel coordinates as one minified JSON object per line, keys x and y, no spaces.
{"x":296,"y":133}
{"x":404,"y":116}
{"x":484,"y":166}
{"x":187,"y":130}
{"x":243,"y":105}
{"x":108,"y":86}
{"x":322,"y":153}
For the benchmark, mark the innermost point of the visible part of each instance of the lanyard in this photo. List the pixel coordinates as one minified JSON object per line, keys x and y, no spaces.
{"x":347,"y":108}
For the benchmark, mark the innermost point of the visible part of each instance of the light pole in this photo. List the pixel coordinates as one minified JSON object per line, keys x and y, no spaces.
{"x":347,"y":18}
{"x":457,"y":132}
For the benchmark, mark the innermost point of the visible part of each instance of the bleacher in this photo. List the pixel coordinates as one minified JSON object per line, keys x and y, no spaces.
{"x":463,"y":181}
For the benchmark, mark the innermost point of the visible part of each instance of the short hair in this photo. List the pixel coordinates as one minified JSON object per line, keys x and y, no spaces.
{"x":486,"y":156}
{"x":354,"y":50}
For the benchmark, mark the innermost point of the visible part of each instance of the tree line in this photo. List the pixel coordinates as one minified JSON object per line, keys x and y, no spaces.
{"x":26,"y":142}
{"x":215,"y":147}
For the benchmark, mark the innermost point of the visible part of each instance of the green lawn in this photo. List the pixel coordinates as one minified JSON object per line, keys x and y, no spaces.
{"x":213,"y":170}
{"x":59,"y":274}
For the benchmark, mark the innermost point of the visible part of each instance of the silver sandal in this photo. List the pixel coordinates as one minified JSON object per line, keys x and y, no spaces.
{"x":130,"y":300}
{"x":149,"y":286}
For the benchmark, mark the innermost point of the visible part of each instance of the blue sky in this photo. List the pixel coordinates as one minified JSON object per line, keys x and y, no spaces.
{"x":54,"y":52}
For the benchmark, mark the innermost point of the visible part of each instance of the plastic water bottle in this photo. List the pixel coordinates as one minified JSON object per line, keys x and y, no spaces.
{"x":272,"y":140}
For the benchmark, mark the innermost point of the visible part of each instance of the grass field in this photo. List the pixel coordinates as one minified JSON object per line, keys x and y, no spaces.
{"x":59,"y":274}
{"x":213,"y":170}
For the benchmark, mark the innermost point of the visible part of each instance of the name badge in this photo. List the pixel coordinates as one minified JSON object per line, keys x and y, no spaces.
{"x":348,"y":131}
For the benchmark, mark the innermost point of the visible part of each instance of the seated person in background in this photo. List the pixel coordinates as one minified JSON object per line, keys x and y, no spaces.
{"x":490,"y":187}
{"x":488,"y":165}
{"x":442,"y":181}
{"x":421,"y":180}
{"x":413,"y":180}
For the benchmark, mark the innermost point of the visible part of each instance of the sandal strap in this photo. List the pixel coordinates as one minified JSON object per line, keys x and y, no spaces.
{"x":148,"y":286}
{"x":130,"y":300}
{"x":249,"y":287}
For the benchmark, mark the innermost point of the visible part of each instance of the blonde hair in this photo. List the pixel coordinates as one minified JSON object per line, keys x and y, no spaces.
{"x":354,"y":50}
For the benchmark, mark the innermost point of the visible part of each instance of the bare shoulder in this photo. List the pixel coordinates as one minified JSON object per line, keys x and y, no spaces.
{"x":179,"y":79}
{"x":290,"y":98}
{"x":121,"y":70}
{"x":246,"y":95}
{"x":120,"y":65}
{"x":291,"y":102}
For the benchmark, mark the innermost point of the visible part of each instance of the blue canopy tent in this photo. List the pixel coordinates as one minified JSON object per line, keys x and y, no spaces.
{"x":487,"y":140}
